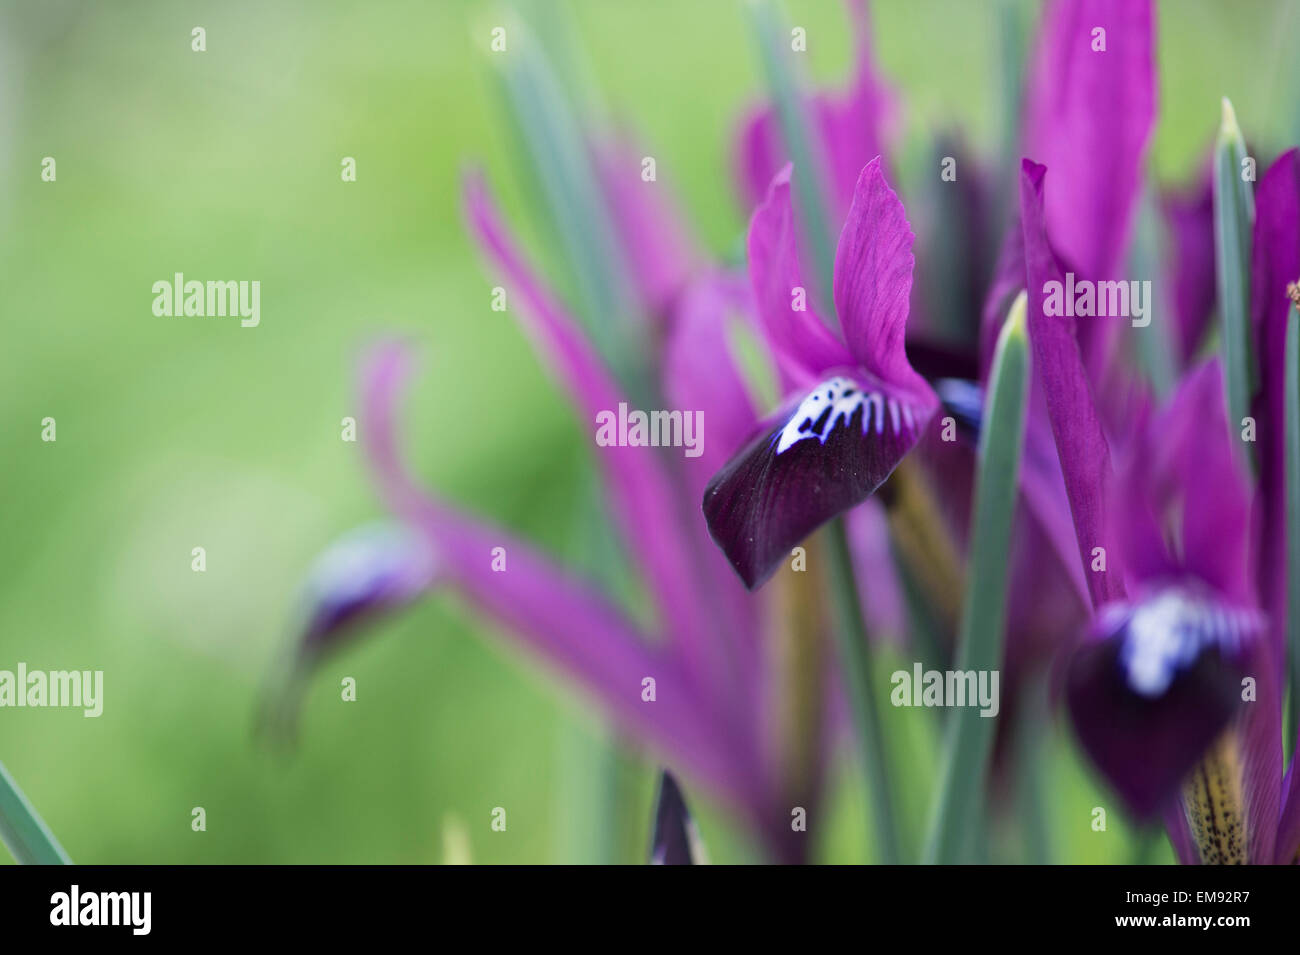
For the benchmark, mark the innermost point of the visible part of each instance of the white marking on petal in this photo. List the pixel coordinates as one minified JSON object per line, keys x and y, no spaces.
{"x":834,"y":402}
{"x":1168,"y":632}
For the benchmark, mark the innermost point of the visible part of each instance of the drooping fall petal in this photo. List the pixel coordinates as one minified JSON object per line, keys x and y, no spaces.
{"x":1156,"y":684}
{"x":810,"y":463}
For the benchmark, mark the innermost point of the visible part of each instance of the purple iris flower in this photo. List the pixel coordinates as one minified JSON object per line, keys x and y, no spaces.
{"x":854,"y":405}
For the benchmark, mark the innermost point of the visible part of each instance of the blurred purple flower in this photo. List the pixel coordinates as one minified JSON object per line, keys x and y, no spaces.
{"x":717,"y":692}
{"x":1159,"y":682}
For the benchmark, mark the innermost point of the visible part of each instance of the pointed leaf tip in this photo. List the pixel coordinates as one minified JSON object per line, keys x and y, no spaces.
{"x":1017,"y":319}
{"x":1228,"y":128}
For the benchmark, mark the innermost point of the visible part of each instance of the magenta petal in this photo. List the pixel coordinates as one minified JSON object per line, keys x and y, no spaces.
{"x":1084,"y":453}
{"x":1182,"y":506}
{"x":553,"y":613}
{"x":644,"y":501}
{"x":873,"y":280}
{"x":803,"y":344}
{"x":814,"y":462}
{"x":1190,"y":221}
{"x":1089,"y":114}
{"x":757,"y":154}
{"x":1155,"y":686}
{"x":657,"y":244}
{"x":700,"y":371}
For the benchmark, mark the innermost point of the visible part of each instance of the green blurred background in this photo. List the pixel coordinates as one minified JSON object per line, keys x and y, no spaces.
{"x":177,"y":433}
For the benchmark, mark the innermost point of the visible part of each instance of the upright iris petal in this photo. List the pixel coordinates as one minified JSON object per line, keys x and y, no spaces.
{"x":857,"y":406}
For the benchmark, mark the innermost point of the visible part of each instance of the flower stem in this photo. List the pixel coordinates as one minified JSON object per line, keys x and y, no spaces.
{"x":970,"y":732}
{"x":23,"y":830}
{"x":859,"y":684}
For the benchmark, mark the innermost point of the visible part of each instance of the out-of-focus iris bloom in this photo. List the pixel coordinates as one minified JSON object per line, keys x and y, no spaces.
{"x":1175,"y":694}
{"x":721,"y":693}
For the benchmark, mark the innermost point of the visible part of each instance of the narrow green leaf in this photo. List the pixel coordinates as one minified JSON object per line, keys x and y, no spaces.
{"x":1234,"y":216}
{"x":1155,"y":341}
{"x":1011,"y":16}
{"x":23,"y":830}
{"x":805,"y":152}
{"x":859,"y":683}
{"x":1293,"y":517}
{"x":970,"y":734}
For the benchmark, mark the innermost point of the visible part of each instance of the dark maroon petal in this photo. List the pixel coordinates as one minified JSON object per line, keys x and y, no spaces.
{"x":820,"y":458}
{"x":675,"y":841}
{"x":1155,"y":686}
